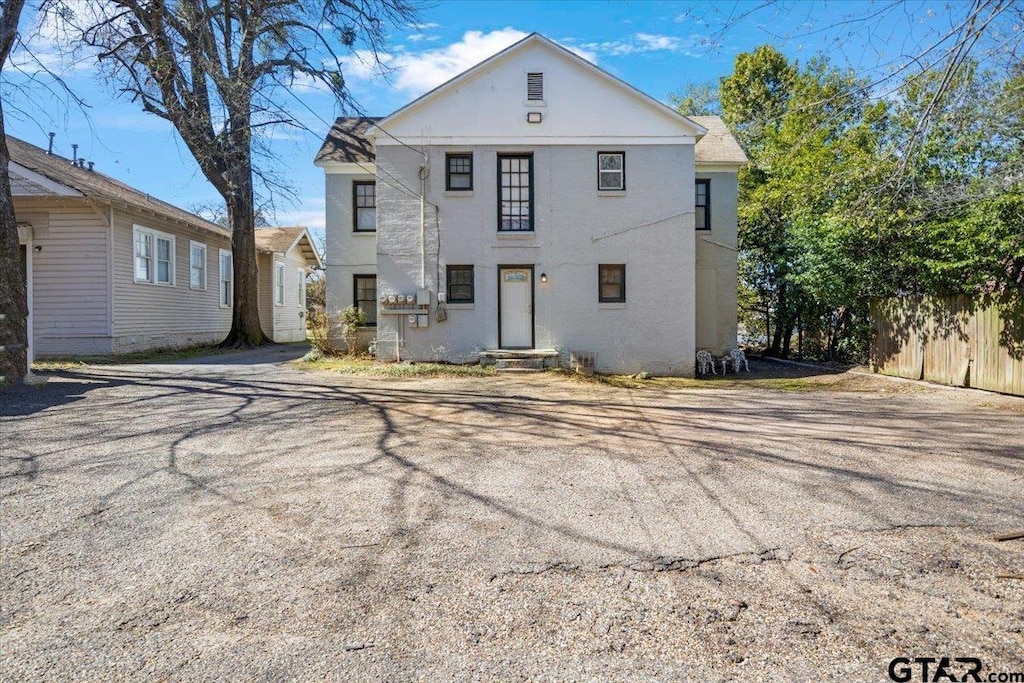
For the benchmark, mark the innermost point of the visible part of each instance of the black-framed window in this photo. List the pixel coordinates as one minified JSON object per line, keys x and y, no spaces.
{"x":365,"y":296}
{"x":702,"y":204}
{"x":611,"y":283}
{"x":460,"y":284}
{"x":364,"y":206}
{"x":515,"y":192}
{"x":611,"y":170}
{"x":458,"y":171}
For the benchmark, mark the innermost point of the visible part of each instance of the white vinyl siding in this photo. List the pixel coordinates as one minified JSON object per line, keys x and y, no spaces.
{"x":278,"y":283}
{"x":197,"y":265}
{"x":227,"y":278}
{"x":154,"y":256}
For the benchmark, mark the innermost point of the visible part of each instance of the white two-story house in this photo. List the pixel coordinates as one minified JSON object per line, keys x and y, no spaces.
{"x":536,"y":202}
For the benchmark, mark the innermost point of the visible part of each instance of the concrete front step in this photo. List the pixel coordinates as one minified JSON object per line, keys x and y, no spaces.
{"x":519,"y":364}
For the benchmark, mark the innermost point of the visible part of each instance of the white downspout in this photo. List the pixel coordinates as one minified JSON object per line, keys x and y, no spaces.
{"x":424,"y":172}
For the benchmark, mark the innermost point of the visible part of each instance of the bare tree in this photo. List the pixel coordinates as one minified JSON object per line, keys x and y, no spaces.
{"x":13,"y":304}
{"x":216,"y":70}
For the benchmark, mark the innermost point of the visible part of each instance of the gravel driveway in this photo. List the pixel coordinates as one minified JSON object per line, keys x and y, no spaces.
{"x":238,"y":521}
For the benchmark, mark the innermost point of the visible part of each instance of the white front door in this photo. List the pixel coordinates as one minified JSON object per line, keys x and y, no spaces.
{"x":515,"y":307}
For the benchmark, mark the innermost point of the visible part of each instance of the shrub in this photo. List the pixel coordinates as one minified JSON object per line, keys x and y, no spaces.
{"x":352,"y":320}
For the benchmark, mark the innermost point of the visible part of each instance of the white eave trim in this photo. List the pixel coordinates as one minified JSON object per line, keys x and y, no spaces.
{"x":47,"y":184}
{"x":349,"y":167}
{"x":718,"y":166}
{"x":534,"y":140}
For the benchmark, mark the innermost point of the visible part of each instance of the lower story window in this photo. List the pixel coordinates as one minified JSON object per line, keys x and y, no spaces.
{"x":227,"y":278}
{"x":366,"y":297}
{"x":460,"y":284}
{"x":611,"y":283}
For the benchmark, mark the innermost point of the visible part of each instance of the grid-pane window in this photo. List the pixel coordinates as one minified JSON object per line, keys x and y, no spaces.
{"x":366,"y":297}
{"x":702,"y":203}
{"x":611,"y":283}
{"x":227,"y":278}
{"x":611,"y":170}
{"x":515,"y":192}
{"x":197,"y":265}
{"x":164,"y":260}
{"x":143,"y":256}
{"x":364,"y":206}
{"x":279,"y":284}
{"x":460,"y":284}
{"x":459,"y":169}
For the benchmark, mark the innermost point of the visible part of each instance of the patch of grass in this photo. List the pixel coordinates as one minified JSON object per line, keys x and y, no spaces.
{"x":368,"y":367}
{"x":137,"y":357}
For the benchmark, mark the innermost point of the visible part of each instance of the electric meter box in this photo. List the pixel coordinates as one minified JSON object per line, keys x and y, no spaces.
{"x":423,"y":298}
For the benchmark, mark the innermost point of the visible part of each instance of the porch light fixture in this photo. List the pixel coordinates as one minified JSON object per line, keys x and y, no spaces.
{"x":543,"y":277}
{"x":533,"y":117}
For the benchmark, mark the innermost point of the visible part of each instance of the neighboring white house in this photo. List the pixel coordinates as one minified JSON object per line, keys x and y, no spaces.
{"x":284,"y":258}
{"x":110,"y":269}
{"x":536,"y":202}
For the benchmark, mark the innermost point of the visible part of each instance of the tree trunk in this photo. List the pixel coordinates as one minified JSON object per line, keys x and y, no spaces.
{"x":13,"y":300}
{"x":246,"y":331}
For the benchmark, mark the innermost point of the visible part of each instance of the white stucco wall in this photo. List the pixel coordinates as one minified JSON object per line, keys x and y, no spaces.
{"x":649,"y":228}
{"x":348,"y":253}
{"x":716,"y":266}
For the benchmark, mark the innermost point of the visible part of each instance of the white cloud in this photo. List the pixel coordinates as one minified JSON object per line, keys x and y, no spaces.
{"x":417,"y":72}
{"x":639,"y":43}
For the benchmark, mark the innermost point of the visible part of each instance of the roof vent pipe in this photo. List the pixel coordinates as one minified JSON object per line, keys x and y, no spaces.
{"x":74,"y":154}
{"x":49,"y":149}
{"x":90,"y":166}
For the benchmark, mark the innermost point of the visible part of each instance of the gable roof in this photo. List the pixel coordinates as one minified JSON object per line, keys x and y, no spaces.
{"x":536,"y":38}
{"x":281,"y":240}
{"x":718,"y":146}
{"x":98,"y":185}
{"x":347,"y":141}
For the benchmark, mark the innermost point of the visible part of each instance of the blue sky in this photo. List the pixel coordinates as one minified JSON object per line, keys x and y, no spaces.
{"x":656,"y":46}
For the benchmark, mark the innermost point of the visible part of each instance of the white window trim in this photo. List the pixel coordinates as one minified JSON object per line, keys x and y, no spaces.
{"x":302,"y":287}
{"x":620,"y":171}
{"x":156,"y":235}
{"x":279,"y":285}
{"x":220,"y":277}
{"x":191,"y":245}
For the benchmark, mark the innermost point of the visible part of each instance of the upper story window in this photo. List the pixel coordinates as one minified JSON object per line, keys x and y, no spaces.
{"x":611,"y":283}
{"x":364,"y":206}
{"x":702,"y":205}
{"x":460,"y":284}
{"x":197,"y":265}
{"x":535,"y":87}
{"x":611,"y":170}
{"x":154,"y":256}
{"x":458,"y":171}
{"x":515,"y":192}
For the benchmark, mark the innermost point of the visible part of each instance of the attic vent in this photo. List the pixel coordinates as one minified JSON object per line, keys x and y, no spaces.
{"x":535,"y":87}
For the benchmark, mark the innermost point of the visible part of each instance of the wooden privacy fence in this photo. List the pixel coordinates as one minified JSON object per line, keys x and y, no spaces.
{"x":961,"y":341}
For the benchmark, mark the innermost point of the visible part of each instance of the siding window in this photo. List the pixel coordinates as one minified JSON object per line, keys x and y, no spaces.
{"x":197,"y":265}
{"x":278,"y":283}
{"x":302,"y":288}
{"x":364,"y":206}
{"x":611,"y":170}
{"x":227,"y":278}
{"x":154,"y":256}
{"x":611,"y":283}
{"x":460,"y":284}
{"x":365,"y":297}
{"x":702,"y":205}
{"x":458,"y":171}
{"x":535,"y":87}
{"x":515,"y":192}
